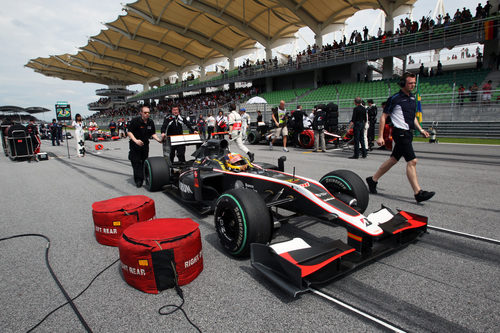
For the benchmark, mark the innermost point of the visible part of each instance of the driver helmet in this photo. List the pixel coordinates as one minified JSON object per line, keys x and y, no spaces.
{"x":235,"y":162}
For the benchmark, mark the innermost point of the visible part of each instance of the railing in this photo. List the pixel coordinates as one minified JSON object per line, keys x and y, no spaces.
{"x":451,"y":35}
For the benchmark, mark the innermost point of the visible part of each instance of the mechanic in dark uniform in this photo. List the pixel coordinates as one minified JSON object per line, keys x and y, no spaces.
{"x":172,"y":125}
{"x":139,"y":131}
{"x":401,"y":107}
{"x":358,"y":120}
{"x":372,"y":118}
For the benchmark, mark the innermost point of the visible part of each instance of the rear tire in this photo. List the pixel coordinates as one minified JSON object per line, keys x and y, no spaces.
{"x":241,"y":217}
{"x":344,"y":184}
{"x":253,"y":137}
{"x":156,"y":173}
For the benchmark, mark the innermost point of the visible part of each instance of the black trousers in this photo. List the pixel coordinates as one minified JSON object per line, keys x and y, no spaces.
{"x":358,"y":138}
{"x":137,"y":155}
{"x":371,"y":132}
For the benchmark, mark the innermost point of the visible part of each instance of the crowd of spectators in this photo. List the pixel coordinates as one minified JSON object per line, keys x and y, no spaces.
{"x":200,"y":103}
{"x":101,"y":102}
{"x":406,"y":26}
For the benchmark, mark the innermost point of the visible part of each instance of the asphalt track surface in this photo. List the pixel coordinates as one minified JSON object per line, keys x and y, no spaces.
{"x":442,"y":283}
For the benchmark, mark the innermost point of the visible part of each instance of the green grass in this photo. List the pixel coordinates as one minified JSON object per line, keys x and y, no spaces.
{"x":462,"y":140}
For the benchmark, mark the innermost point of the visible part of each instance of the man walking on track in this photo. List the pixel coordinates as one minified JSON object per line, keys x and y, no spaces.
{"x":235,"y":135}
{"x":401,"y":107}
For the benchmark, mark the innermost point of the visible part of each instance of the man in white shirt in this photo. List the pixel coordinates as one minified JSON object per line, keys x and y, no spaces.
{"x":210,"y":125}
{"x":234,"y":121}
{"x":245,"y":122}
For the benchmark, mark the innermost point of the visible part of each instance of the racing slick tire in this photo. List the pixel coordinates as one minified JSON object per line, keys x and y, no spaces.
{"x":241,"y":217}
{"x":253,"y":137}
{"x":347,"y":185}
{"x":156,"y":173}
{"x":306,"y":139}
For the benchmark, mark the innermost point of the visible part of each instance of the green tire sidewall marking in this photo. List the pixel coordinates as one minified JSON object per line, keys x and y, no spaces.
{"x":244,"y":220}
{"x":338,"y":178}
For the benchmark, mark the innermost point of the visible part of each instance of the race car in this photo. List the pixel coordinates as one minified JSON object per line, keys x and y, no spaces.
{"x":245,"y":197}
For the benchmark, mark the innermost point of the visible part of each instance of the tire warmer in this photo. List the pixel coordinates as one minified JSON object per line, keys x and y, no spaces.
{"x":113,"y":216}
{"x":161,"y":254}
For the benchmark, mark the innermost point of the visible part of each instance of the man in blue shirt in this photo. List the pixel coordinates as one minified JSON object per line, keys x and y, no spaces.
{"x":401,"y":107}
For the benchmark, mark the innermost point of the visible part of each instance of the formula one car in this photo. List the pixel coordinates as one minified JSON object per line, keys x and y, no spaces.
{"x":245,"y":196}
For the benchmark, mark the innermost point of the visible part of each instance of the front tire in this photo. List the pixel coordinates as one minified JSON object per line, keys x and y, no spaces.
{"x":156,"y":173}
{"x":347,"y":185}
{"x":241,"y":218}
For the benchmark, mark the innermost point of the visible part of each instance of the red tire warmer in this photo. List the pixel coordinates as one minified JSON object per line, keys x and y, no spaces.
{"x":306,"y":138}
{"x":113,"y":216}
{"x":158,"y":254}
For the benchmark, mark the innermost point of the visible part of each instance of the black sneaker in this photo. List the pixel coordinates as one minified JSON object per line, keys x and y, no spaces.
{"x":424,"y":195}
{"x":353,"y":157}
{"x":251,"y":156}
{"x":138,"y":183}
{"x":372,"y":185}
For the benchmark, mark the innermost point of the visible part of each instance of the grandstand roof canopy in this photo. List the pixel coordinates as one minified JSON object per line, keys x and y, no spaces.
{"x":161,"y":37}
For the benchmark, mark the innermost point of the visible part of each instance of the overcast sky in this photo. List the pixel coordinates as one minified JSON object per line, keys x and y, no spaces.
{"x":41,"y":28}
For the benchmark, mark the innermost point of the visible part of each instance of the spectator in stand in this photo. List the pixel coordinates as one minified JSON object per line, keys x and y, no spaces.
{"x":439,"y":68}
{"x":461,"y":94}
{"x":210,"y":125}
{"x":473,"y":92}
{"x":487,"y":92}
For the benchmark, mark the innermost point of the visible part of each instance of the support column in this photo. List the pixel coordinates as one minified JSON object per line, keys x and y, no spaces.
{"x":387,"y":68}
{"x":319,"y":40}
{"x":231,"y":63}
{"x":269,"y":84}
{"x":202,"y":73}
{"x":389,"y":22}
{"x":269,"y":53}
{"x":162,"y":81}
{"x":179,"y":77}
{"x":388,"y":64}
{"x":318,"y":77}
{"x":145,"y":86}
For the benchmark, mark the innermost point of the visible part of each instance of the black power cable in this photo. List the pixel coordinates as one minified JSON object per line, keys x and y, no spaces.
{"x":70,"y":300}
{"x":74,"y":298}
{"x":178,"y":307}
{"x":73,"y":306}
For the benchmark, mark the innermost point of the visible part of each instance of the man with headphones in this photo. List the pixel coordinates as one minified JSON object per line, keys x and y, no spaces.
{"x":401,"y":107}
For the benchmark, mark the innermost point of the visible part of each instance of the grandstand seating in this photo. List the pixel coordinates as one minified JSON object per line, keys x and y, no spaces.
{"x":379,"y":90}
{"x":288,"y":96}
